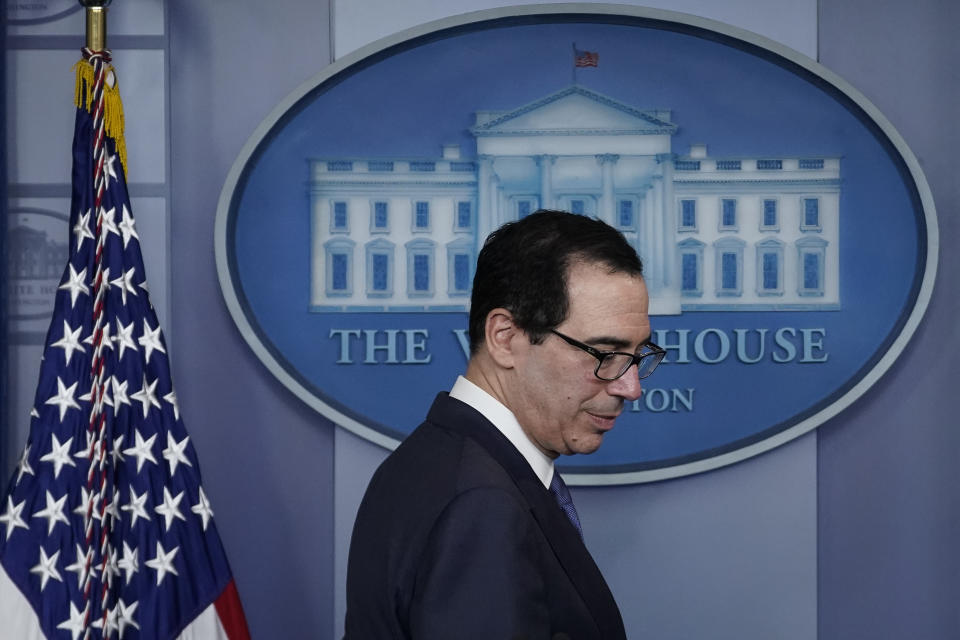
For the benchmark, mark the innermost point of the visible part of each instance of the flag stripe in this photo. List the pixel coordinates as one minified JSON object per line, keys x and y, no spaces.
{"x":230,"y":613}
{"x":19,"y":619}
{"x":585,"y":58}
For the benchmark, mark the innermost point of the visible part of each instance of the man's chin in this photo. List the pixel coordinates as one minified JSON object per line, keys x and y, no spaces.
{"x":586,"y":446}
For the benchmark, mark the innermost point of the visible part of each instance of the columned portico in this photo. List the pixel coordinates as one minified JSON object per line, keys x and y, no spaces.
{"x":582,"y":151}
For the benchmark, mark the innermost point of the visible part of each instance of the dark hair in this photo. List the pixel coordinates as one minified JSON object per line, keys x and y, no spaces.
{"x":523,"y":266}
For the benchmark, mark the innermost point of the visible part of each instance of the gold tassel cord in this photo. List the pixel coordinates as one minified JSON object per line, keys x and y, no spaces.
{"x":113,"y":107}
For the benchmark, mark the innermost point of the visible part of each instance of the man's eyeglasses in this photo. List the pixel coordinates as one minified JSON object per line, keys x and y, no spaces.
{"x":613,"y":364}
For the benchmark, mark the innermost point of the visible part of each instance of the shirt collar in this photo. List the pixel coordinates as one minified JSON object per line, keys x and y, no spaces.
{"x":504,"y":420}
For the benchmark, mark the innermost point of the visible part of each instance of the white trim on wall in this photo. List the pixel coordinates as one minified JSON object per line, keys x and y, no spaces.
{"x":356,"y":23}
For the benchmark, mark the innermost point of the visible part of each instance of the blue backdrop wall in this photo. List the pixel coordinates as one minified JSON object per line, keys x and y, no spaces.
{"x":889,"y":483}
{"x":848,"y":532}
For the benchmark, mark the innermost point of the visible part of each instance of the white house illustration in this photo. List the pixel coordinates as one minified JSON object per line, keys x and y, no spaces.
{"x":402,"y":234}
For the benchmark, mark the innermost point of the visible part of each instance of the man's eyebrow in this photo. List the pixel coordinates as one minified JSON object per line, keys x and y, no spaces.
{"x":617,"y":344}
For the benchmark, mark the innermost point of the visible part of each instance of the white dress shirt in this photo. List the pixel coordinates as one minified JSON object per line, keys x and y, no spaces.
{"x":504,"y":420}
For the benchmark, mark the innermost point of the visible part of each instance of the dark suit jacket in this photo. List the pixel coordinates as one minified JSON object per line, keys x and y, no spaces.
{"x":456,"y":538}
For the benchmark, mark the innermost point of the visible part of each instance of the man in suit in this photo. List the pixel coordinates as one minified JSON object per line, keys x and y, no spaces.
{"x":466,"y":531}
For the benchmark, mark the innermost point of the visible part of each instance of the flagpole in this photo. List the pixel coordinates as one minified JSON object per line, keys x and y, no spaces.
{"x":96,"y":11}
{"x":574,"y":72}
{"x":98,"y":432}
{"x":5,"y":440}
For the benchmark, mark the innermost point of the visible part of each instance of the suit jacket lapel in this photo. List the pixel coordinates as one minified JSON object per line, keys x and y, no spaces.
{"x":560,"y":533}
{"x":575,"y":558}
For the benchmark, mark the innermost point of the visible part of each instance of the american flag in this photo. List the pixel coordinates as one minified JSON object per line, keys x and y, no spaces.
{"x":585,"y":58}
{"x":105,"y":530}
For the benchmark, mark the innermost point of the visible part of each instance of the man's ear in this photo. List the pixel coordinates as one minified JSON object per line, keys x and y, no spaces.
{"x":500,"y":333}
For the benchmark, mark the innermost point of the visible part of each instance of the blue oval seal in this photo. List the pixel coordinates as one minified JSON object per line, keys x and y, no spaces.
{"x":787,"y":232}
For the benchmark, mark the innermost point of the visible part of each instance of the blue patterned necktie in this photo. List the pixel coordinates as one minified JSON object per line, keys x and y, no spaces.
{"x":562,"y":495}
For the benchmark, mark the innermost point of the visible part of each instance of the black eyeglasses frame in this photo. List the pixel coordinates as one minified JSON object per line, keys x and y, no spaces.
{"x":654,"y":351}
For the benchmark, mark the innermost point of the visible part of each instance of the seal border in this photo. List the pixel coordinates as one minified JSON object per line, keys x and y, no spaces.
{"x":730,"y":454}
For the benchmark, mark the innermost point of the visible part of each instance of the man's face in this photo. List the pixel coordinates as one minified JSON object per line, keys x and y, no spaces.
{"x":561,"y":405}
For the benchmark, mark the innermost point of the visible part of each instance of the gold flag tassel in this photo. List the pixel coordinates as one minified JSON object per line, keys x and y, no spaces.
{"x":96,"y":16}
{"x":113,"y":106}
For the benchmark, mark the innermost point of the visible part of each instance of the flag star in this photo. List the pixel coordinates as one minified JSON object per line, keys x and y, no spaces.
{"x":108,"y":620}
{"x":163,"y":562}
{"x":112,"y":508}
{"x":125,"y":616}
{"x":125,"y":282}
{"x":47,"y":568}
{"x":76,"y":284}
{"x":119,"y":392}
{"x":80,"y":567}
{"x":172,"y":399}
{"x":127,"y":227}
{"x":170,"y":508}
{"x":110,"y":567}
{"x":142,"y":449}
{"x":70,"y":341}
{"x":146,"y":396}
{"x":108,"y":221}
{"x":82,"y":228}
{"x":53,"y":512}
{"x":87,"y":449}
{"x":76,"y":623}
{"x":136,"y":507}
{"x":109,"y":170}
{"x":117,"y":454}
{"x":150,"y":341}
{"x":202,"y":509}
{"x":12,"y":516}
{"x":24,"y":466}
{"x":129,"y":561}
{"x":124,"y":337}
{"x":102,"y":280}
{"x":59,"y":453}
{"x":33,"y":410}
{"x":103,"y":396}
{"x":87,"y":500}
{"x":174,"y":452}
{"x":106,"y":341}
{"x":64,"y":398}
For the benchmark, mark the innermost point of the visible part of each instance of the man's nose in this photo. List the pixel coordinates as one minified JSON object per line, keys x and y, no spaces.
{"x":626,"y":386}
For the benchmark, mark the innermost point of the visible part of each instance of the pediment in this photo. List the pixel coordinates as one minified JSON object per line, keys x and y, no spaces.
{"x":574,"y":110}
